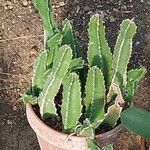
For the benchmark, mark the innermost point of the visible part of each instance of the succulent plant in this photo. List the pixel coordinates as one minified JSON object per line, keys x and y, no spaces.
{"x":109,"y":85}
{"x":47,"y":15}
{"x":99,"y":53}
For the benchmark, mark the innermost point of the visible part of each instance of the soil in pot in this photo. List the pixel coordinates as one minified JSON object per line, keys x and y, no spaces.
{"x":50,"y":138}
{"x":56,"y":122}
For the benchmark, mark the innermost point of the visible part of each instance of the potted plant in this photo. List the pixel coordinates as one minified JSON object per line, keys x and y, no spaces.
{"x":81,"y":101}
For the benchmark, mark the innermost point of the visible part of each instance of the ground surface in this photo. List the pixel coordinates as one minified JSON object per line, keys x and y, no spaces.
{"x":21,"y":39}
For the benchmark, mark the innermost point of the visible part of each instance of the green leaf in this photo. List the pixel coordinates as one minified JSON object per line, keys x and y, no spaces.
{"x":86,"y":130}
{"x":38,"y":73}
{"x":47,"y":73}
{"x":50,"y":58}
{"x":52,"y":85}
{"x":75,"y":64}
{"x":108,"y":147}
{"x":135,"y":75}
{"x":46,"y":13}
{"x":99,"y":53}
{"x":53,"y":44}
{"x":133,"y":78}
{"x":71,"y":104}
{"x":28,"y":98}
{"x":95,"y":96}
{"x":69,"y":37}
{"x":137,"y":121}
{"x":92,"y":145}
{"x":122,"y":53}
{"x":55,"y":41}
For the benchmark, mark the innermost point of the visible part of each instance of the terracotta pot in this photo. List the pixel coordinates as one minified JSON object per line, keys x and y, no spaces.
{"x":109,"y":137}
{"x":50,"y":139}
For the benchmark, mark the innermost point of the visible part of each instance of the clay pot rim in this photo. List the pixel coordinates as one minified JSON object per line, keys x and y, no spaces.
{"x":39,"y":121}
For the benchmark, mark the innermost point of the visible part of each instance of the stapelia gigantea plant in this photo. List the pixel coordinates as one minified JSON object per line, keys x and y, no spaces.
{"x":108,"y":84}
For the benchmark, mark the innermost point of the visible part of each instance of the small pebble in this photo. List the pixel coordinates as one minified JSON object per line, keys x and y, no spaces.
{"x":112,"y":19}
{"x":86,"y":8}
{"x":24,"y":3}
{"x":13,"y":21}
{"x":99,"y":6}
{"x":11,"y":86}
{"x":8,"y":5}
{"x":115,"y":10}
{"x":137,"y":43}
{"x":18,"y":90}
{"x":78,"y":9}
{"x":9,"y":122}
{"x":103,"y":14}
{"x":15,"y":1}
{"x":15,"y":108}
{"x":119,"y":2}
{"x":90,"y":12}
{"x":131,"y":6}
